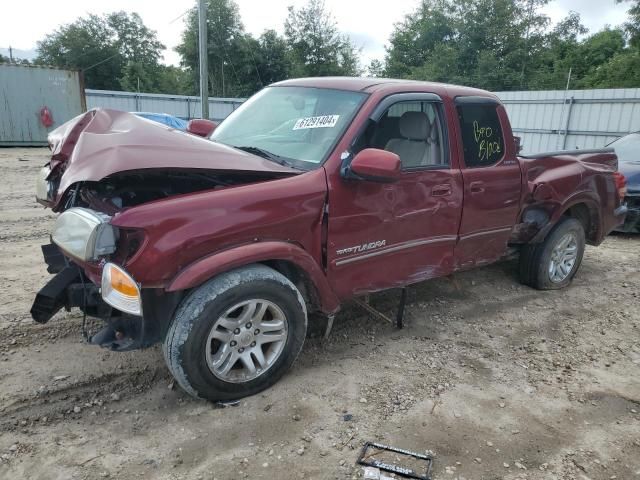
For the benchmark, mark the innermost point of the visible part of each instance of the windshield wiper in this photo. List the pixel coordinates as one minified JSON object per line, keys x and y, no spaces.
{"x":261,"y":152}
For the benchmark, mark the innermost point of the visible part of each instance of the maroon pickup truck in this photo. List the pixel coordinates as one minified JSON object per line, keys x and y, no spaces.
{"x":313,"y":192}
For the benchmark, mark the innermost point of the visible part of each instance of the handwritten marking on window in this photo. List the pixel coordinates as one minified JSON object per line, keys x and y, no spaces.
{"x":486,"y":147}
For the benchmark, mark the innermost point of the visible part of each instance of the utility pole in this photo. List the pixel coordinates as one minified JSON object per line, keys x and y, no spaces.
{"x":202,"y":47}
{"x":564,"y":102}
{"x":10,"y":54}
{"x":222,"y":69}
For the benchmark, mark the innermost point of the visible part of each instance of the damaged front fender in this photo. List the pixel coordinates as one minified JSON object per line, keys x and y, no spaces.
{"x":204,"y":269}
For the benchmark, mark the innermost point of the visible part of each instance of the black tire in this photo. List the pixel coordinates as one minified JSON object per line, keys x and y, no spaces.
{"x":535,"y":258}
{"x":186,"y":343}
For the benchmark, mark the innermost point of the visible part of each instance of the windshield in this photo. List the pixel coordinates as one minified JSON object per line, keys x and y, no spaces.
{"x":627,"y":148}
{"x":294,"y":125}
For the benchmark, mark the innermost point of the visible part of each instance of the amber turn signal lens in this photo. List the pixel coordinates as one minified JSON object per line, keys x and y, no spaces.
{"x":120,"y":290}
{"x":122,"y":283}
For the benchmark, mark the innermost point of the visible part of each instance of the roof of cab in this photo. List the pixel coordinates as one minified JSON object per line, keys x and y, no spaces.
{"x":370,"y":85}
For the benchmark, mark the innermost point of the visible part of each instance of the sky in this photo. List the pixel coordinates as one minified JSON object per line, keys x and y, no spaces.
{"x":368,"y":23}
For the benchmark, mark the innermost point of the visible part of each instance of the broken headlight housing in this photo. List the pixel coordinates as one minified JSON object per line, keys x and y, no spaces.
{"x":44,"y":187}
{"x":84,"y":234}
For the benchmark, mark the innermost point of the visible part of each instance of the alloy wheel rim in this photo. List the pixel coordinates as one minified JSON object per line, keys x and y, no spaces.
{"x":563,"y":258}
{"x":246,"y":340}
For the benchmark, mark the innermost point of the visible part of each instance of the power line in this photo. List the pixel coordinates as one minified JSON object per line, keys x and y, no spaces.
{"x":101,"y":62}
{"x":181,"y":15}
{"x":226,"y":57}
{"x":253,"y":60}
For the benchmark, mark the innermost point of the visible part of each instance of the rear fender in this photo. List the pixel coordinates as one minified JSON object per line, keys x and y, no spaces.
{"x":595,"y":221}
{"x":260,"y":252}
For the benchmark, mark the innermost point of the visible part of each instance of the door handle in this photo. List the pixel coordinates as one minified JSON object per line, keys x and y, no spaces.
{"x":441,"y":190}
{"x":476,"y":187}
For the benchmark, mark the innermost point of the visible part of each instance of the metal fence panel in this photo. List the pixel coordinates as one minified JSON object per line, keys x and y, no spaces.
{"x":25,"y":91}
{"x":546,"y":120}
{"x":555,"y":119}
{"x":182,"y":106}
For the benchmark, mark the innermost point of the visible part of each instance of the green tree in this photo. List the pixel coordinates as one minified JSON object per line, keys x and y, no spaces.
{"x":414,"y":40}
{"x":175,"y":80}
{"x":508,"y":44}
{"x":86,"y":44}
{"x":593,"y":52}
{"x":488,"y":43}
{"x":632,"y":26}
{"x":621,"y":71}
{"x":505,"y":35}
{"x":273,"y":60}
{"x":316,"y":47}
{"x":240,"y":64}
{"x":140,"y":50}
{"x":375,"y":68}
{"x":114,"y":51}
{"x":551,"y":66}
{"x":231,"y":52}
{"x":443,"y":65}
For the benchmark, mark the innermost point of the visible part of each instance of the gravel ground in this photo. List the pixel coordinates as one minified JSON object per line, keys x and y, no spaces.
{"x":497,"y":380}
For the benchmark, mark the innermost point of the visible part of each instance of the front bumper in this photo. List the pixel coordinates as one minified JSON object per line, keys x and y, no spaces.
{"x":70,"y":288}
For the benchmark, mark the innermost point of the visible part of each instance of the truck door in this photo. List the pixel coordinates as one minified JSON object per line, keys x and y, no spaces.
{"x":383,"y":235}
{"x":491,"y":175}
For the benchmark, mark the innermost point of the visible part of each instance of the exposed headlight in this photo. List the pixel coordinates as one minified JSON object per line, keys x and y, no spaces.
{"x":44,"y":188}
{"x":84,"y":234}
{"x":120,"y":290}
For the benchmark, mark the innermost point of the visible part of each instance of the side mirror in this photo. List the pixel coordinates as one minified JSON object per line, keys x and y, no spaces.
{"x":201,"y":127}
{"x":518,"y":144}
{"x":375,"y":165}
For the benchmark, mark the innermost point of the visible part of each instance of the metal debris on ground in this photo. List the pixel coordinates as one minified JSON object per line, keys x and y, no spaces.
{"x":232,"y":403}
{"x":399,"y":320}
{"x":390,"y":458}
{"x":373,"y":473}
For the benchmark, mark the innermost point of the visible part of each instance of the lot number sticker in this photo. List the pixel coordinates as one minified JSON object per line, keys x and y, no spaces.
{"x":323,"y":121}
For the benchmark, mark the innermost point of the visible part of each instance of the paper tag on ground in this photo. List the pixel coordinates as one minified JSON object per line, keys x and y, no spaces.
{"x":371,"y":473}
{"x":323,"y":121}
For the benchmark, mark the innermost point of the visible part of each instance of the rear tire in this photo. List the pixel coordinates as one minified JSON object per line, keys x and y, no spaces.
{"x":237,"y":334}
{"x":552,"y":264}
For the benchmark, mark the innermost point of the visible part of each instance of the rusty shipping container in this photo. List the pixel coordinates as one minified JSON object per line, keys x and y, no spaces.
{"x":35,"y":100}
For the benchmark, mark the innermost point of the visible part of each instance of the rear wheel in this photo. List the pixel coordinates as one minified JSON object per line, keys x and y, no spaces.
{"x":237,"y":334}
{"x":553,"y":263}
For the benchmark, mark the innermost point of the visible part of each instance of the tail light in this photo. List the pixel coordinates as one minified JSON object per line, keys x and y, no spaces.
{"x":621,"y":185}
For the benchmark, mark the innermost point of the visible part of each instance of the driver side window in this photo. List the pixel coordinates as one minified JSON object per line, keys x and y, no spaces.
{"x":412,"y":130}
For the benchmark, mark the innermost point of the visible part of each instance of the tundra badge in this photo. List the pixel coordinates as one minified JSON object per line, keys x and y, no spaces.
{"x":362,"y":248}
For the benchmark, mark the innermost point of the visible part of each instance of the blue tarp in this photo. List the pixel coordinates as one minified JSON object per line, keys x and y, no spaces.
{"x":165,"y":119}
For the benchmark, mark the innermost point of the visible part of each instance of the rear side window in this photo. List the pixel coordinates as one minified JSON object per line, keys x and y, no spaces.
{"x":482,"y":138}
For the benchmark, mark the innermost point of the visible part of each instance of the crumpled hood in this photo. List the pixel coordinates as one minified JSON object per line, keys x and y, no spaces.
{"x":102,"y":142}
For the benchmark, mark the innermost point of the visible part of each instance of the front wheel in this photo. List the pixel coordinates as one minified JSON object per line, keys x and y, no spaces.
{"x":237,"y":334}
{"x":552,"y":264}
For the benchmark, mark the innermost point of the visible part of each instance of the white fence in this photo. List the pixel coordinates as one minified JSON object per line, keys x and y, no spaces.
{"x":546,"y":120}
{"x":177,"y":105}
{"x":557,"y":120}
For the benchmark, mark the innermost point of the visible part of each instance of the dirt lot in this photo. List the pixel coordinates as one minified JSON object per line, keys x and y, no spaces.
{"x":497,"y":380}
